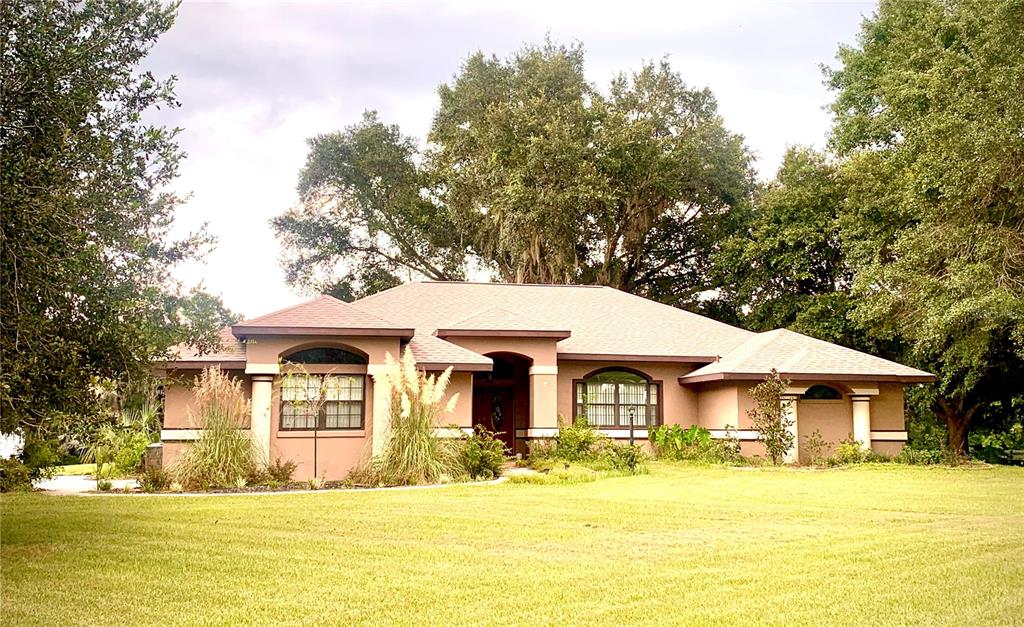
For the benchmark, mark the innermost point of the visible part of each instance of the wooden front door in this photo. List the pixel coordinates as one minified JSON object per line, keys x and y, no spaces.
{"x":494,"y":409}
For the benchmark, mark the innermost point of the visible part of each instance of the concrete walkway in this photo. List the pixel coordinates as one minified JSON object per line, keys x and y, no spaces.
{"x":77,"y":484}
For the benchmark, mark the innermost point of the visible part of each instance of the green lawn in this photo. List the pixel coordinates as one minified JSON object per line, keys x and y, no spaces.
{"x":882,"y":544}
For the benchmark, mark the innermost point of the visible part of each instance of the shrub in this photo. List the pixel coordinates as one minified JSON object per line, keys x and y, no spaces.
{"x":280,"y":471}
{"x":224,"y":452}
{"x":482,"y":455}
{"x":104,"y":485}
{"x":994,"y":447}
{"x":580,"y":443}
{"x":413,"y":453}
{"x":576,"y":441}
{"x":919,"y":457}
{"x":693,"y":444}
{"x":15,"y":476}
{"x":628,"y":458}
{"x":154,"y":479}
{"x":815,"y":444}
{"x":772,"y":424}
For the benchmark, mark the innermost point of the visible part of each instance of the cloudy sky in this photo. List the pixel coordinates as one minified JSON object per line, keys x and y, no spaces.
{"x":256,"y":80}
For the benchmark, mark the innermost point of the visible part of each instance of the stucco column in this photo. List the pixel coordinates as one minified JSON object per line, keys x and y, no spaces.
{"x":379,"y":421}
{"x":259,"y":424}
{"x":543,"y":397}
{"x":789,"y":402}
{"x":862,"y":421}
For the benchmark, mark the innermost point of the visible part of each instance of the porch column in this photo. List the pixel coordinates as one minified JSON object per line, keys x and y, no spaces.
{"x":381,"y":407}
{"x":259,"y":424}
{"x":543,"y":397}
{"x":789,"y":402}
{"x":862,"y":421}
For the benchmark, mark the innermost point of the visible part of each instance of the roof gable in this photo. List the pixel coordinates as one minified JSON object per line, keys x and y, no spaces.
{"x":324,"y":315}
{"x":798,"y":356}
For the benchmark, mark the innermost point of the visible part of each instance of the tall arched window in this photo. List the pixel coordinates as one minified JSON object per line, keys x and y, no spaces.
{"x":613,"y":397}
{"x":323,"y":401}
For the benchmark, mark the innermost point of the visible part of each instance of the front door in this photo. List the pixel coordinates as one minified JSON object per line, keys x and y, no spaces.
{"x":494,"y":409}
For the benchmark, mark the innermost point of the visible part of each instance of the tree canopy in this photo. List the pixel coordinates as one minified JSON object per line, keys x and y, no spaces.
{"x":85,"y":248}
{"x":533,"y":173}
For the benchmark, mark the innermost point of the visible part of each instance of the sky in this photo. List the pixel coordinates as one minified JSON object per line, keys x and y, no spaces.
{"x":256,"y":80}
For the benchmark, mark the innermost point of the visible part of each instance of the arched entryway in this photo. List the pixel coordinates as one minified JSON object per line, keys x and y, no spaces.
{"x":501,"y":398}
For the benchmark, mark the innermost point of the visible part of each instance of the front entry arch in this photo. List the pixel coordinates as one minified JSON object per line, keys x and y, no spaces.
{"x":501,"y":398}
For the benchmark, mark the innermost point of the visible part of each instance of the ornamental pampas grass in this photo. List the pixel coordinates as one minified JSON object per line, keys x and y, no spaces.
{"x":413,"y":454}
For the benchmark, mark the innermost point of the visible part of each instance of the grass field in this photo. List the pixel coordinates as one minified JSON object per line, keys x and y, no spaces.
{"x":876,"y":544}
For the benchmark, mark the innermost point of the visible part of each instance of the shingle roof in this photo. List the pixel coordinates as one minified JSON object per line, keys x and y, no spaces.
{"x":799,"y":356}
{"x":231,"y":350}
{"x":433,"y":352}
{"x":603,"y":321}
{"x":319,"y":316}
{"x":499,"y":320}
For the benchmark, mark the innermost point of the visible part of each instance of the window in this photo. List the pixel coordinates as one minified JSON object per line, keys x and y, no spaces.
{"x":610,"y":398}
{"x":325,"y":356}
{"x":322,"y":402}
{"x":822,"y":393}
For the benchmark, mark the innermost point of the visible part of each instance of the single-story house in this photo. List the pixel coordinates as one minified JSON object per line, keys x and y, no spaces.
{"x":525,"y":355}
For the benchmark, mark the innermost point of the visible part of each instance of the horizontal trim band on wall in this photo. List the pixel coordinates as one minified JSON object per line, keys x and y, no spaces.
{"x":543,"y":369}
{"x":745,"y":435}
{"x":889,"y":436}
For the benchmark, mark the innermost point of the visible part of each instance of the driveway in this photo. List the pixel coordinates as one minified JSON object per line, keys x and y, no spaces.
{"x":72,"y":484}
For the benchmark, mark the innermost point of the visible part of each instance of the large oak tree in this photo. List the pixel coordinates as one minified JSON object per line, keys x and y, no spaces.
{"x":531,"y":173}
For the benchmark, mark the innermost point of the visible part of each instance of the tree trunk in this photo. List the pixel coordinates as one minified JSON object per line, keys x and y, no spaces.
{"x":958,"y":424}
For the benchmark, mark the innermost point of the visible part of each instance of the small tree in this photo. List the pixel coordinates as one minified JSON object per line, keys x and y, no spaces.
{"x":772,"y":424}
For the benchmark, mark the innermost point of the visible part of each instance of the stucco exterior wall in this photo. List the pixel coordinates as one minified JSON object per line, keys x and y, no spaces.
{"x":680,"y":404}
{"x":461,"y":383}
{"x":270,"y":349}
{"x":833,"y":418}
{"x":717,"y":406}
{"x":178,"y":397}
{"x":541,"y":350}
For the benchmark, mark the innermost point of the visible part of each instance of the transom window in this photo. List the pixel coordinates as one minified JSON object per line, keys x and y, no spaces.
{"x":610,"y":398}
{"x":326,"y":401}
{"x":822,"y":393}
{"x":325,"y":355}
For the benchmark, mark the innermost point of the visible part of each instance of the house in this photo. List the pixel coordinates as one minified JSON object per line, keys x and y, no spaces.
{"x":522,"y":356}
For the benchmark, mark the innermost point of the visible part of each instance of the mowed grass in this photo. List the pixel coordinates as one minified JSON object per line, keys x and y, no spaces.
{"x":876,"y":544}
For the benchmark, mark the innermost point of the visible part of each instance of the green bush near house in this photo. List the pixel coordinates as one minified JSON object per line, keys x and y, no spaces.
{"x":580,"y":443}
{"x":482,"y":455}
{"x":15,"y":476}
{"x":673,"y":442}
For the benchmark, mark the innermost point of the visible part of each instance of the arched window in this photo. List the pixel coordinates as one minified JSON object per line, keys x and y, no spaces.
{"x":322,"y":401}
{"x":325,"y":355}
{"x":613,"y":397}
{"x":822,"y":393}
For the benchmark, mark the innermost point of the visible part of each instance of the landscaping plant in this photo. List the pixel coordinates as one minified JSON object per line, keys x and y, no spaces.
{"x":413,"y":453}
{"x":694,"y":443}
{"x":224,"y":451}
{"x":772,"y":424}
{"x":482,"y":455}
